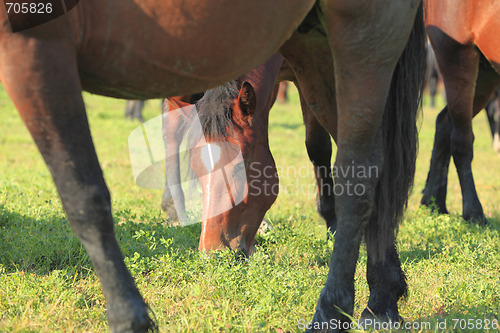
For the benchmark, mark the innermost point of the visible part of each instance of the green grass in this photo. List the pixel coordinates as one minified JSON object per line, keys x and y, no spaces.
{"x":47,"y":283}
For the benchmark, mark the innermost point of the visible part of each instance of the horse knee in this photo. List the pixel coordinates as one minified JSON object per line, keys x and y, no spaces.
{"x":462,"y":144}
{"x":89,"y":208}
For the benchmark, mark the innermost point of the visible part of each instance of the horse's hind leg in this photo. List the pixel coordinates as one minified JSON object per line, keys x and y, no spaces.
{"x":462,"y":139}
{"x":41,"y":77}
{"x":387,"y":284}
{"x":171,"y":122}
{"x":437,"y":178}
{"x":319,"y":149}
{"x":364,"y":57}
{"x":469,"y":84}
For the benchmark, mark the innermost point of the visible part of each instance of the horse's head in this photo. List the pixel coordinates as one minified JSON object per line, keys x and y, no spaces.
{"x":233,"y":161}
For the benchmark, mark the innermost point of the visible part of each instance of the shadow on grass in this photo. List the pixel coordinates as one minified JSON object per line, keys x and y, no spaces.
{"x":430,"y":233}
{"x":46,"y":243}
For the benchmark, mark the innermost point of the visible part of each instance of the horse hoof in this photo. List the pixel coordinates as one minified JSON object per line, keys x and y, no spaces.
{"x":139,"y":320}
{"x":390,"y":320}
{"x":478,"y":219}
{"x":430,"y":202}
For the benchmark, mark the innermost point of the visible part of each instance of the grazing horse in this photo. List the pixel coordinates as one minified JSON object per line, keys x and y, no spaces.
{"x":231,"y":158}
{"x":463,"y":36}
{"x":359,"y":65}
{"x":241,"y":110}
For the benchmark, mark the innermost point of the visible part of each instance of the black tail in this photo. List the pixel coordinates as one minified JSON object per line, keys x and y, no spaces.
{"x":400,"y":137}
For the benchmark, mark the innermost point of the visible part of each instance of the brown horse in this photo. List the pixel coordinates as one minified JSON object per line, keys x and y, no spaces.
{"x":232,"y":150}
{"x":141,"y":50}
{"x":229,"y":219}
{"x":463,"y":35}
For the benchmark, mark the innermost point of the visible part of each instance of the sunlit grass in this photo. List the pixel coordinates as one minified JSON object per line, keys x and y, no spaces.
{"x":47,"y":283}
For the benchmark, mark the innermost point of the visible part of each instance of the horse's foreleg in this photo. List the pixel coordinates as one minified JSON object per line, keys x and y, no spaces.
{"x":319,"y":149}
{"x":437,"y":178}
{"x":172,"y":192}
{"x":433,"y":88}
{"x":173,"y":200}
{"x":42,"y":80}
{"x":172,"y":172}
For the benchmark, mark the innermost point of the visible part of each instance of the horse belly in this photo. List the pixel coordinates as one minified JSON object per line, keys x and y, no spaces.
{"x":164,"y":48}
{"x":486,"y":30}
{"x":453,"y":17}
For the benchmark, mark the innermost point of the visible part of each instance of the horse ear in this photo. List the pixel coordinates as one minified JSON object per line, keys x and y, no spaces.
{"x":247,"y":98}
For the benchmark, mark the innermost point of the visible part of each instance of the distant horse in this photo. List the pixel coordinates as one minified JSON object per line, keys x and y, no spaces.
{"x":140,"y":50}
{"x":433,"y":75}
{"x":133,"y":110}
{"x":493,"y":112}
{"x":463,"y":35}
{"x":282,"y":92}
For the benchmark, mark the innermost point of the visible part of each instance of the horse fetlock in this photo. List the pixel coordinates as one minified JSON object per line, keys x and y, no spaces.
{"x":383,"y":302}
{"x":474,"y":215}
{"x":334,"y":303}
{"x":496,"y":143}
{"x":130,"y":317}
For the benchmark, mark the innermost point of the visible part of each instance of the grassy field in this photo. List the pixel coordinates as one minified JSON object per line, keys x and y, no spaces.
{"x":47,"y":283}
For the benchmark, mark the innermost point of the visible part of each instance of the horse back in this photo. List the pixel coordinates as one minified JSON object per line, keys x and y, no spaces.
{"x":180,"y":46}
{"x":154,"y":48}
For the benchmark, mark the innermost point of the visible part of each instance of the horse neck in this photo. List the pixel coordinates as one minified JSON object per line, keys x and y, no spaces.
{"x":263,"y":79}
